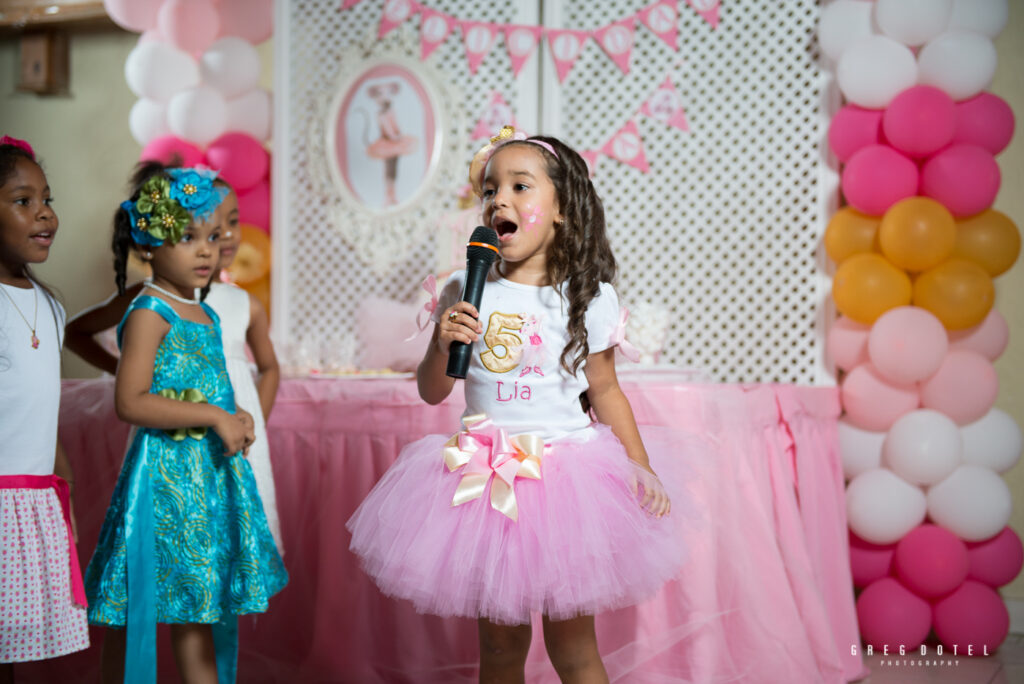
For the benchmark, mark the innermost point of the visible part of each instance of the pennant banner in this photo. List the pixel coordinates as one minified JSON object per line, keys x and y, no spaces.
{"x":434,"y":28}
{"x":478,"y":36}
{"x":394,"y":13}
{"x":708,"y":9}
{"x":661,"y":18}
{"x":666,"y":105}
{"x":348,"y":3}
{"x":521,"y":41}
{"x":566,"y":46}
{"x":617,"y":41}
{"x":496,"y":114}
{"x":627,"y":147}
{"x":590,"y":156}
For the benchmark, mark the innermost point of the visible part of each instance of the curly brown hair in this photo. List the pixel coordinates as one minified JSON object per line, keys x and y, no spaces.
{"x":581,"y":257}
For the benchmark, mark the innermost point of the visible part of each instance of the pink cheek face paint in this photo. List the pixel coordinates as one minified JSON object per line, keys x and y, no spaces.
{"x":532,"y":215}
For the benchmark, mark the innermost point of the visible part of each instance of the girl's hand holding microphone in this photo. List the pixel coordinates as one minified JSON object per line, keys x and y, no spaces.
{"x":459,"y":324}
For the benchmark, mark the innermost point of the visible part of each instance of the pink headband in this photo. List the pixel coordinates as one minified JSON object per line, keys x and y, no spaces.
{"x":508,"y":134}
{"x":8,"y":140}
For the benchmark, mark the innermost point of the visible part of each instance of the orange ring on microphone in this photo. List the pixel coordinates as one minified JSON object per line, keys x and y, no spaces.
{"x":482,"y":244}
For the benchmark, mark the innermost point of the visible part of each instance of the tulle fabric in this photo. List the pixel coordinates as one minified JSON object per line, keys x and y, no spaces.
{"x":582,"y":544}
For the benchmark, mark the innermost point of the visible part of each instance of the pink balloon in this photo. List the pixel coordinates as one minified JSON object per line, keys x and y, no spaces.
{"x":964,"y":178}
{"x":873,"y":403}
{"x":249,"y":19}
{"x":152,"y":36}
{"x":964,"y":387}
{"x":191,"y":25}
{"x":852,"y":128}
{"x":877,"y":177}
{"x":931,"y":561}
{"x":240,"y":158}
{"x":986,"y":121}
{"x":254,"y":206}
{"x":907,"y":344}
{"x":996,"y":561}
{"x":847,"y":343}
{"x":972,"y":616}
{"x":989,"y":338}
{"x":891,"y":615}
{"x":920,"y":121}
{"x":134,"y":15}
{"x":170,"y":149}
{"x":869,"y":562}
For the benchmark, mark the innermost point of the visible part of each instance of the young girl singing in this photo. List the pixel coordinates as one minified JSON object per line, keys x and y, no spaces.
{"x":533,"y":506}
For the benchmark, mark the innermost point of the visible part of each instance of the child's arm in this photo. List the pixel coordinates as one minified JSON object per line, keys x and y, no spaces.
{"x":258,"y":338}
{"x":431,"y":381}
{"x":62,"y":469}
{"x":141,"y":337}
{"x":79,"y":335}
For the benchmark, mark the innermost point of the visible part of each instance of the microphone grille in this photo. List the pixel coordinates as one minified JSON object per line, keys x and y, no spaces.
{"x":483,"y":245}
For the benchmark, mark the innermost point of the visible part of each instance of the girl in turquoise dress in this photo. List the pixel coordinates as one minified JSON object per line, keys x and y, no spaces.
{"x":185,"y":540}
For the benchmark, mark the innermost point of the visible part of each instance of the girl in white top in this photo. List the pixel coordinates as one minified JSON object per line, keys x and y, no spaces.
{"x":42,"y":613}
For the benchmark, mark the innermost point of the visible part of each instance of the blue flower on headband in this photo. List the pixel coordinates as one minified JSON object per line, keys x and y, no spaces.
{"x":140,"y":226}
{"x":194,"y":190}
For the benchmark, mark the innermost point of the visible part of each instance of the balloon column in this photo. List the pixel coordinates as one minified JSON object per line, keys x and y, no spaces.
{"x":916,"y":248}
{"x":197,"y":74}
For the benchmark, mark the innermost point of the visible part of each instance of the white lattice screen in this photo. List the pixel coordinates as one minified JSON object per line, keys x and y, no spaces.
{"x":724,"y":230}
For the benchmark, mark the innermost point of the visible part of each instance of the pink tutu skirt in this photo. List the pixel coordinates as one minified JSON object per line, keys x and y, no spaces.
{"x":582,"y":543}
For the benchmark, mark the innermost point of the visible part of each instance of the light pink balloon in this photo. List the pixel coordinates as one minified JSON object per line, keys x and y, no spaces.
{"x":907,"y":344}
{"x":931,"y":561}
{"x":989,"y":338}
{"x":170,"y":149}
{"x":891,"y":615}
{"x":964,"y":388}
{"x":920,"y":121}
{"x":877,"y":177}
{"x":254,"y":206}
{"x":249,"y":19}
{"x":986,"y":121}
{"x":134,"y":15}
{"x":996,"y":561}
{"x":872,"y":402}
{"x":869,"y":562}
{"x":964,"y":178}
{"x":152,"y":36}
{"x":852,"y":128}
{"x":240,"y":158}
{"x":972,"y":616}
{"x":192,"y":25}
{"x":847,"y":343}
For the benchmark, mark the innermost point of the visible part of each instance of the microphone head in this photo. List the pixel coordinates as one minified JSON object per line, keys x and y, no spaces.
{"x":482,"y":245}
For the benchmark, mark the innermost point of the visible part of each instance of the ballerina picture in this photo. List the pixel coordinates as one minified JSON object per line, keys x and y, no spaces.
{"x":391,"y":145}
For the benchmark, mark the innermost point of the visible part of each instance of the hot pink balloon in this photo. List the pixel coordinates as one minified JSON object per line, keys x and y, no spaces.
{"x":877,"y":177}
{"x":134,"y":15}
{"x":964,"y":387}
{"x":240,"y":158}
{"x":891,"y":615}
{"x":852,"y":128}
{"x":249,"y":19}
{"x":869,"y":562}
{"x":984,"y":120}
{"x":964,"y":178}
{"x":191,"y":25}
{"x":920,"y":121}
{"x":847,"y":343}
{"x":907,"y":344}
{"x":972,"y":616}
{"x":170,"y":149}
{"x":996,"y":561}
{"x":254,"y":206}
{"x":989,"y":338}
{"x":872,"y":402}
{"x":931,"y":561}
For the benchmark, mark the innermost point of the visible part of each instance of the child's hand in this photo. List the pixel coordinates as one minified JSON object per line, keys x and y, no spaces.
{"x":458,"y":324}
{"x":246,"y":418}
{"x":234,"y":433}
{"x":650,"y":492}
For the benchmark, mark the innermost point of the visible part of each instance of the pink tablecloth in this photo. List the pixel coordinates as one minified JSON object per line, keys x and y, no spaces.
{"x":766,"y":596}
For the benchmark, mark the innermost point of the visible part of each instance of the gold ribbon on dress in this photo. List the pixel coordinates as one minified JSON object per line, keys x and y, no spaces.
{"x":486,"y":453}
{"x":188,"y":394}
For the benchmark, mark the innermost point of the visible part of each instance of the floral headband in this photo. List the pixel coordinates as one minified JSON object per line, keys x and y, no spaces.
{"x":479,"y":163}
{"x":166,"y":206}
{"x":14,"y":142}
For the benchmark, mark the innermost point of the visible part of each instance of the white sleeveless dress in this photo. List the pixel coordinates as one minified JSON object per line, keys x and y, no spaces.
{"x":231,"y":303}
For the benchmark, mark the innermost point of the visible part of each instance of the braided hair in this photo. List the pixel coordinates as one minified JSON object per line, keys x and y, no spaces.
{"x":122,"y":241}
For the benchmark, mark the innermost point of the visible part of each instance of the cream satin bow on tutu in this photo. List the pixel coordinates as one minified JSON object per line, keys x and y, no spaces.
{"x":486,"y":453}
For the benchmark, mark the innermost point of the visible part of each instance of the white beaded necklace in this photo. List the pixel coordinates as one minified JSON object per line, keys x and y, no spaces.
{"x":150,"y":284}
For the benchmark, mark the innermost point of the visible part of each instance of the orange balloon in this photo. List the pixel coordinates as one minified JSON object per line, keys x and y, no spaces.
{"x":989,"y":239}
{"x":960,"y":293}
{"x":917,"y":233}
{"x":252,"y":261}
{"x":850,"y":232}
{"x":260,"y":289}
{"x":866,"y":286}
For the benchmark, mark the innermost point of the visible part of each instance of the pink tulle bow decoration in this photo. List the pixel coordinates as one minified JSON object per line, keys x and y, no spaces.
{"x":619,"y":337}
{"x":423,"y":317}
{"x":8,"y":140}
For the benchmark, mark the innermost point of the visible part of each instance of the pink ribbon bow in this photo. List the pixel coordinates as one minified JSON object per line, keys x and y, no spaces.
{"x":423,"y":316}
{"x":619,"y":337}
{"x":8,"y":140}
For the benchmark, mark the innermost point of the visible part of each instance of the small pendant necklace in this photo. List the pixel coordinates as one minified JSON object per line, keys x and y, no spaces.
{"x":150,"y":284}
{"x":35,"y":314}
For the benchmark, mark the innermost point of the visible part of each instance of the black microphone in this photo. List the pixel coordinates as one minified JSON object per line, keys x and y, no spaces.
{"x":481,"y":251}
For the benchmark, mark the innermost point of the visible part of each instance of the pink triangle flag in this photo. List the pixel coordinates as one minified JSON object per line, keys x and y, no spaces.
{"x":628,"y":147}
{"x":434,"y":28}
{"x":590,"y":156}
{"x":666,"y":105}
{"x":617,"y":41}
{"x":394,"y":13}
{"x":348,"y":3}
{"x":566,"y":46}
{"x":496,"y":114}
{"x":660,"y":18}
{"x":521,"y":41}
{"x":478,"y":36}
{"x":708,"y":9}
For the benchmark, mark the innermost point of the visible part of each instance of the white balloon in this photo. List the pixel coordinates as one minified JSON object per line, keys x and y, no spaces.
{"x":251,"y":113}
{"x":994,"y":441}
{"x":874,"y":70}
{"x":231,"y":65}
{"x":843,"y":23}
{"x":861,"y":449}
{"x":987,"y":17}
{"x":148,"y":120}
{"x":959,"y":63}
{"x":881,"y":508}
{"x":912,"y":22}
{"x":973,"y":503}
{"x":923,"y":447}
{"x":198,"y":115}
{"x":157,"y":70}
